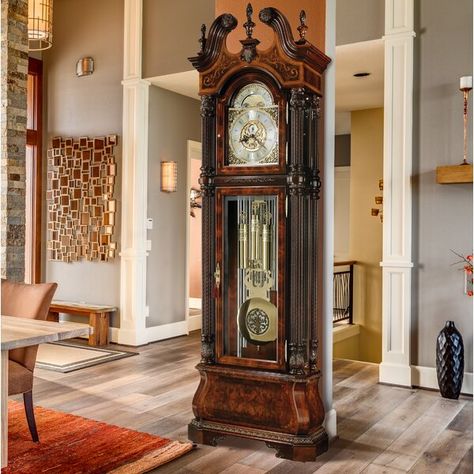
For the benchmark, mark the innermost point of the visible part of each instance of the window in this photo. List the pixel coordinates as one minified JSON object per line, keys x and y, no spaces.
{"x":33,"y":172}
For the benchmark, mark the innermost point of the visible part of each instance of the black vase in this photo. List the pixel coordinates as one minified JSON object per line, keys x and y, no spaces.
{"x":450,"y":361}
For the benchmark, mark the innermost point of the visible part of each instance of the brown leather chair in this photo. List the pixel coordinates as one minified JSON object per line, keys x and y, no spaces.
{"x":25,"y":301}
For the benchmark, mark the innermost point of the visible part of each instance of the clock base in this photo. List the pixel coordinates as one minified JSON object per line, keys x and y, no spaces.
{"x":283,"y":410}
{"x":293,"y":447}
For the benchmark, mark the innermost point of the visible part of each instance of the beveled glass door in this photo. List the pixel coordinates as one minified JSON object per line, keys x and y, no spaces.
{"x":250,"y":311}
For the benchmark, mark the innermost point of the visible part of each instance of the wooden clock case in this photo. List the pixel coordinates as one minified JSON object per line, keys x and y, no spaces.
{"x":276,"y":401}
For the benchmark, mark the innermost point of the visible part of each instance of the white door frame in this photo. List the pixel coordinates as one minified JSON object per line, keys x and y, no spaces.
{"x":194,"y":152}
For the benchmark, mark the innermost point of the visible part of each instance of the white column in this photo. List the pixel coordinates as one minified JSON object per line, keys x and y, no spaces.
{"x":134,"y":183}
{"x":330,"y":422}
{"x":397,"y":227}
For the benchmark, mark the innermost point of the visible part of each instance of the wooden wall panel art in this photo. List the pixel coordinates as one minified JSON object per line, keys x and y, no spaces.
{"x":80,"y":196}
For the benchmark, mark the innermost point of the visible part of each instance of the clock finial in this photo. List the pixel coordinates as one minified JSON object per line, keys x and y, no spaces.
{"x":202,"y":39}
{"x":303,"y":28}
{"x":249,"y":25}
{"x":249,"y":45}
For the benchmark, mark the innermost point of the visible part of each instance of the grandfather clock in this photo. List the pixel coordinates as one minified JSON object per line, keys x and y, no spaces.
{"x":260,"y":186}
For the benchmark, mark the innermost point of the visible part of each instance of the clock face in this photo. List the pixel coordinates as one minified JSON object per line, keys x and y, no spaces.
{"x":253,"y":128}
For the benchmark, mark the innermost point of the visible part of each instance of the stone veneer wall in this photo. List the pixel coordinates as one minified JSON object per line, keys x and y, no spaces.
{"x":13,"y":80}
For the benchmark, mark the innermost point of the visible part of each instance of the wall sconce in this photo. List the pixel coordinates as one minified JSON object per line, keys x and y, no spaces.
{"x":40,"y":24}
{"x":169,"y":176}
{"x":85,"y":67}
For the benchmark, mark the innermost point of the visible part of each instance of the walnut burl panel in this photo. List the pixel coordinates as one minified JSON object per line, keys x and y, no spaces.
{"x":259,"y":399}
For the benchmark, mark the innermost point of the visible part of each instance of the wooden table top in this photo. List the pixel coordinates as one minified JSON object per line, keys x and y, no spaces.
{"x":24,"y":332}
{"x":56,"y":304}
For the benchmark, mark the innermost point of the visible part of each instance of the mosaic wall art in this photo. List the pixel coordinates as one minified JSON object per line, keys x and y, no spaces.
{"x":80,"y":195}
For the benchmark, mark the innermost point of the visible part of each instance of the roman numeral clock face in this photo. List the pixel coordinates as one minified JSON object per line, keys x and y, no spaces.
{"x":253,"y":128}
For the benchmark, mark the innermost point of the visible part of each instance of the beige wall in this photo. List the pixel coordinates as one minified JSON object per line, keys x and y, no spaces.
{"x":76,"y":107}
{"x":171,"y":30}
{"x":366,"y":230}
{"x":173,"y":120}
{"x":347,"y":349}
{"x":442,"y":214}
{"x":315,"y":13}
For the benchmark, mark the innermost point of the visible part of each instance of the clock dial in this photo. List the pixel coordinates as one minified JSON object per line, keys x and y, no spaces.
{"x":253,"y":136}
{"x":253,"y":127}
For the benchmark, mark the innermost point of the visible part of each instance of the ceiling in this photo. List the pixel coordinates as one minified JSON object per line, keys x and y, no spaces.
{"x":352,"y":93}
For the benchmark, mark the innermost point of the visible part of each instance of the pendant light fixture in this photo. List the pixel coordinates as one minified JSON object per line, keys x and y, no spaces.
{"x":40,"y":24}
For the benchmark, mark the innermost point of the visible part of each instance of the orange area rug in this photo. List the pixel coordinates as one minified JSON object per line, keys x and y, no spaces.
{"x":72,"y":444}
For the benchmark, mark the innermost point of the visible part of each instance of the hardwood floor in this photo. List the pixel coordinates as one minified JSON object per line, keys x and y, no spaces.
{"x":382,"y":429}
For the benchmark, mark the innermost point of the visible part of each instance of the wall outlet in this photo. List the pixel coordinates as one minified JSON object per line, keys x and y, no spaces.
{"x":149,"y":223}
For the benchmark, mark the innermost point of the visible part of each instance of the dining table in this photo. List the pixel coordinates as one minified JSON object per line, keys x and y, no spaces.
{"x":17,"y":332}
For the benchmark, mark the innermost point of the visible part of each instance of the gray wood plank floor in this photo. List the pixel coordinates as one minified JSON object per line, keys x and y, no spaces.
{"x":382,"y":429}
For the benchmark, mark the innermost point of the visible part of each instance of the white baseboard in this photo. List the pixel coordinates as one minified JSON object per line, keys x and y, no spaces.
{"x":395,"y":374}
{"x":194,"y":322}
{"x":195,"y":303}
{"x":151,"y":334}
{"x":425,"y":377}
{"x":330,"y":424}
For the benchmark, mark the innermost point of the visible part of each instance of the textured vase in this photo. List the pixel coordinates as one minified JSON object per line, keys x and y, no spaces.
{"x":450,"y":361}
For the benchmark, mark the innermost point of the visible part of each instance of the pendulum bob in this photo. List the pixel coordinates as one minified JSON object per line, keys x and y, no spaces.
{"x":258,"y":317}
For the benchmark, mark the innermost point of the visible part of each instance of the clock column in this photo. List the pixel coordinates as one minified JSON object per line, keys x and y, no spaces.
{"x":208,"y":171}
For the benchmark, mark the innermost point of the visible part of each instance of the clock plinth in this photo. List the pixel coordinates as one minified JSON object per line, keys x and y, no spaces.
{"x":260,"y":247}
{"x":283,"y":410}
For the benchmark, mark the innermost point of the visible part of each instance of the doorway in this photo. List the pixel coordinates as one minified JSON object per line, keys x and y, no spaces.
{"x":193,"y":237}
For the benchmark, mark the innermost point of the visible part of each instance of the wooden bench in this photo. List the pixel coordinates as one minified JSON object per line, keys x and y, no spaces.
{"x":99,"y":318}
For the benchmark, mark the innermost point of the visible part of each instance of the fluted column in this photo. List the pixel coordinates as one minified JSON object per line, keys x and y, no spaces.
{"x":208,"y":170}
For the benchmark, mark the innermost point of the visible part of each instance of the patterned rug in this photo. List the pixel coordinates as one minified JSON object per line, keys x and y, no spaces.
{"x":69,"y":356}
{"x":72,"y":444}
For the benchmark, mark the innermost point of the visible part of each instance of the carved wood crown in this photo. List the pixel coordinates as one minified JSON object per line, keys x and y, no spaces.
{"x":292,"y":63}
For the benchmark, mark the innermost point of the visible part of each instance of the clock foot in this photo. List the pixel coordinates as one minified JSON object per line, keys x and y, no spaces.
{"x":293,"y":447}
{"x":200,"y":435}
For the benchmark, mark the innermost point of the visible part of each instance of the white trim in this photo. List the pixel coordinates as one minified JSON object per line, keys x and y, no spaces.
{"x":330,"y":424}
{"x":328,"y":222}
{"x":426,"y":377}
{"x":195,"y":303}
{"x":397,"y":225}
{"x":194,"y":151}
{"x":345,"y":331}
{"x":194,"y":322}
{"x":151,"y":334}
{"x":133,"y":277}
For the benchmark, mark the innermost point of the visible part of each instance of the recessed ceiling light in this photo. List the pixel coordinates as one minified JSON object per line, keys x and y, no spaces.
{"x":362,"y":74}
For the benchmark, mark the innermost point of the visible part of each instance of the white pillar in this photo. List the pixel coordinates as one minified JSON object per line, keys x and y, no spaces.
{"x":134,"y":183}
{"x":397,"y":227}
{"x":330,"y":421}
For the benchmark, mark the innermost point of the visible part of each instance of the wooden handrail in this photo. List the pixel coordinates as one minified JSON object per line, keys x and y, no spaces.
{"x":345,"y":263}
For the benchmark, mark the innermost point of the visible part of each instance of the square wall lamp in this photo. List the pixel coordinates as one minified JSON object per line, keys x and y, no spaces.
{"x":169,"y":176}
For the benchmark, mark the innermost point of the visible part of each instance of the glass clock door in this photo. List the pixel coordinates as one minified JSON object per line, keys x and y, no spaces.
{"x":249,"y":298}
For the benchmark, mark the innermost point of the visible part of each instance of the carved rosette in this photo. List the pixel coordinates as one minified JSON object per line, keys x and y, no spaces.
{"x":208,"y":106}
{"x":207,"y":349}
{"x":297,"y":358}
{"x":298,"y":180}
{"x":298,"y":98}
